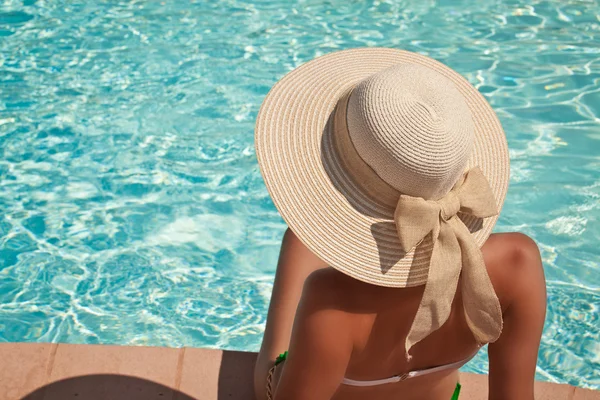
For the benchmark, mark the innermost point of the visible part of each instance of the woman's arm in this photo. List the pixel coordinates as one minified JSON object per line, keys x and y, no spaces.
{"x":513,"y":356}
{"x":296,"y":263}
{"x":320,"y":347}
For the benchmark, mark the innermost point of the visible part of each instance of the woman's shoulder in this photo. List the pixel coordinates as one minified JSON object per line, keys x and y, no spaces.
{"x":516,"y":243}
{"x":514,"y":263}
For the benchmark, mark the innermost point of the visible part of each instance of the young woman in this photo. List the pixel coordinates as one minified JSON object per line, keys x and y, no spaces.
{"x":390,"y":170}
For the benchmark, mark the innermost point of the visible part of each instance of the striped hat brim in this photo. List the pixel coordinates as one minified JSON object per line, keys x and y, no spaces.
{"x":341,"y":223}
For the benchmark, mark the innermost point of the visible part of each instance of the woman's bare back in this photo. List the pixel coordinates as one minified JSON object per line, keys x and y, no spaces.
{"x":347,"y":328}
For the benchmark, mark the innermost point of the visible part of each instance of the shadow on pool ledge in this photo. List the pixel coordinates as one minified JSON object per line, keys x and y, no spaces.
{"x":235,"y":383}
{"x":104,"y":387}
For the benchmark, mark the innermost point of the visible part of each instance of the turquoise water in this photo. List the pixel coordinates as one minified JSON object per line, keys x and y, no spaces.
{"x":132,"y":207}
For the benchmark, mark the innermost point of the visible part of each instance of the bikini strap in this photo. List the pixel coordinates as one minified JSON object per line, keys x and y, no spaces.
{"x":270,"y":383}
{"x":280,"y":358}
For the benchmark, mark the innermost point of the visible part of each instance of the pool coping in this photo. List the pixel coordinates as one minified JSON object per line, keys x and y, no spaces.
{"x":49,"y":371}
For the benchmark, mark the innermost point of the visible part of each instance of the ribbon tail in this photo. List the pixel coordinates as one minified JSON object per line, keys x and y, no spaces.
{"x":442,"y":281}
{"x":481,"y":306}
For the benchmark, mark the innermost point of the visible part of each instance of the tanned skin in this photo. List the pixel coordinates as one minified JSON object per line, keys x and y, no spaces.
{"x":336,"y":326}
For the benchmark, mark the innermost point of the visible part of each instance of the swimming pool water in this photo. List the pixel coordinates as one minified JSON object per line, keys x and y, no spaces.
{"x":132,"y":207}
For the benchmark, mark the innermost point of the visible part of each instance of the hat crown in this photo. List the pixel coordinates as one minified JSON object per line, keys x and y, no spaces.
{"x":412,"y":126}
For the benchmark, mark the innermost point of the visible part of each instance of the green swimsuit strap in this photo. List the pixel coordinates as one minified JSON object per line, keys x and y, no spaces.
{"x":456,"y":392}
{"x":269,"y":388}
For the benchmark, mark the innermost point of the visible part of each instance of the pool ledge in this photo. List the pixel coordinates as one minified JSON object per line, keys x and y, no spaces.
{"x":35,"y":371}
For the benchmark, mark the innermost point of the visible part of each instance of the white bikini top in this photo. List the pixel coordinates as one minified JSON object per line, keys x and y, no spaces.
{"x":411,"y":374}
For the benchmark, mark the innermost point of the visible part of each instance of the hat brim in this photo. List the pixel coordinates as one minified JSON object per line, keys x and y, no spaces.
{"x":344,"y":226}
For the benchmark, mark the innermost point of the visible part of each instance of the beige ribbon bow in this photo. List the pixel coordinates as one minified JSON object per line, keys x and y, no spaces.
{"x":454,"y":249}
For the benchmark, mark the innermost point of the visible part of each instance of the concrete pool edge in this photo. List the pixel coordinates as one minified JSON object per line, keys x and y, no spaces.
{"x":45,"y":371}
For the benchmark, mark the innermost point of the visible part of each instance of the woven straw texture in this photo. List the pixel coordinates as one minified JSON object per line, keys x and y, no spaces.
{"x":348,"y":225}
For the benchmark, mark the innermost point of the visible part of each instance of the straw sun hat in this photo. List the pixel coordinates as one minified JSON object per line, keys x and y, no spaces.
{"x":392,"y":169}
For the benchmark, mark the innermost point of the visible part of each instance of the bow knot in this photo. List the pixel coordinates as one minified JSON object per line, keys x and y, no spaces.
{"x":454,"y":251}
{"x":416,"y":217}
{"x":449,"y":205}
